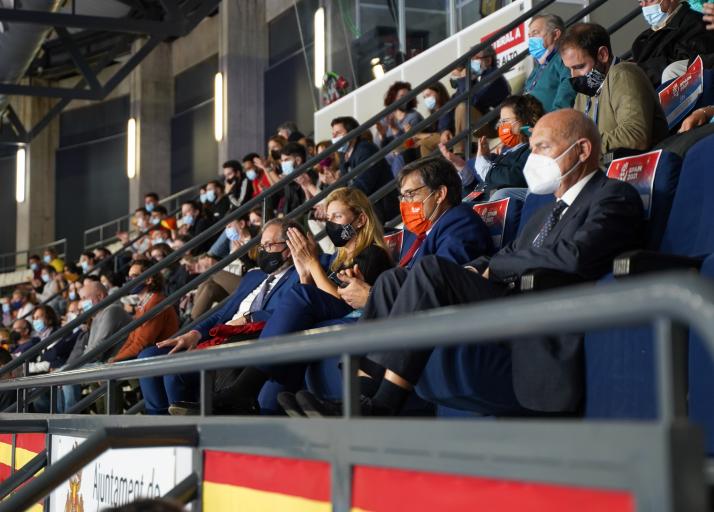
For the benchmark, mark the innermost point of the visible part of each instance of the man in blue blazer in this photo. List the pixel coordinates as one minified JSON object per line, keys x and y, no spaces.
{"x":256,"y":298}
{"x":436,"y":223}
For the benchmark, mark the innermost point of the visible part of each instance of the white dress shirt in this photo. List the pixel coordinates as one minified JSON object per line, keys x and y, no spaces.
{"x":244,"y":307}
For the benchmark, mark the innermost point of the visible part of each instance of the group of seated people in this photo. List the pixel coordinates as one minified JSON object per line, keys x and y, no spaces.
{"x":580,"y":103}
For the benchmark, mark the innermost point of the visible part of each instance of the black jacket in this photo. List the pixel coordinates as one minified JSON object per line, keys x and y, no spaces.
{"x":605,"y":220}
{"x":683,"y":38}
{"x":374,"y":178}
{"x":507,"y":169}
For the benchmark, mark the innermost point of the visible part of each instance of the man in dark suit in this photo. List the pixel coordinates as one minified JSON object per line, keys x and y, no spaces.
{"x":378,"y":175}
{"x":256,"y":299}
{"x":594,"y":219}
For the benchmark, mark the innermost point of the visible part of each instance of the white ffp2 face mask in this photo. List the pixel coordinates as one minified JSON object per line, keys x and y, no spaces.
{"x":542,"y":172}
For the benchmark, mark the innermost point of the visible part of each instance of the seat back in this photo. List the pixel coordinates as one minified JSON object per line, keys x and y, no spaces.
{"x":690,"y":230}
{"x":502,"y":219}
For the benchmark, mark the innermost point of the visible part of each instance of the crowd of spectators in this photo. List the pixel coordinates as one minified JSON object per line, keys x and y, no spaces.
{"x":579,"y":104}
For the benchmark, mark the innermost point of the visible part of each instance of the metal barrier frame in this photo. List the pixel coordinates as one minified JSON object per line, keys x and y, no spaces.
{"x":14,"y":258}
{"x":661,"y":462}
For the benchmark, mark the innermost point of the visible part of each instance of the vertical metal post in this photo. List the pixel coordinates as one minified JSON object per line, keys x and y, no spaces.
{"x":206,"y":390}
{"x":469,"y":129}
{"x":12,"y":454}
{"x":402,"y":27}
{"x":113,"y":397}
{"x":265,"y":210}
{"x":53,"y":399}
{"x":350,"y":386}
{"x":341,"y":486}
{"x":671,"y":357}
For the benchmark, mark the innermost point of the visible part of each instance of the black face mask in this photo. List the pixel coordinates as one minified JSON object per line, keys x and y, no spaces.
{"x":269,"y":262}
{"x":15,"y":336}
{"x":454,"y":83}
{"x":403,"y":108}
{"x":589,"y":84}
{"x":340,"y":234}
{"x":275,"y":154}
{"x":253,"y":230}
{"x":230,"y":181}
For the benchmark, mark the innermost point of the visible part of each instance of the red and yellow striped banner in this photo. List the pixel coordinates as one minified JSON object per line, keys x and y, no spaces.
{"x":27,"y":446}
{"x":387,"y":490}
{"x":241,"y":483}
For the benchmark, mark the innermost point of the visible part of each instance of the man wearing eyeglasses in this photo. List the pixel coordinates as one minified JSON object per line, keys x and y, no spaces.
{"x":258,"y":293}
{"x":676,"y":36}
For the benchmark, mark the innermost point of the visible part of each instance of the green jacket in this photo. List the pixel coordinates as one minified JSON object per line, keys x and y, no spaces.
{"x":627,"y":110}
{"x":550,"y":84}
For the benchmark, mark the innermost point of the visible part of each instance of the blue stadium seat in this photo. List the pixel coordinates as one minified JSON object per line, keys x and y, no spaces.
{"x":534,"y":202}
{"x":620,"y":362}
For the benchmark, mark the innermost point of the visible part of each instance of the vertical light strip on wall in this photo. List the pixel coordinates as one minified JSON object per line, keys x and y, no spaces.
{"x":20,"y":175}
{"x":218,"y":95}
{"x":131,"y":148}
{"x":319,"y":46}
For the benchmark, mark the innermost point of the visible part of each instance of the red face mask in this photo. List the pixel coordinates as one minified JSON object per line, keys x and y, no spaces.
{"x":505,"y":133}
{"x":413,"y":217}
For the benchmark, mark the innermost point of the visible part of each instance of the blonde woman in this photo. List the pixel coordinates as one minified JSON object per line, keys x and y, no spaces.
{"x":353,"y":228}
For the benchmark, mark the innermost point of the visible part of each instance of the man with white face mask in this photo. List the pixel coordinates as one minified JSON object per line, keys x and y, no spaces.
{"x":593,"y":220}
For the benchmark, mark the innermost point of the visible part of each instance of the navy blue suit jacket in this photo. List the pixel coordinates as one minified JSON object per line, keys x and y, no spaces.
{"x":459,"y":236}
{"x":248,"y":283}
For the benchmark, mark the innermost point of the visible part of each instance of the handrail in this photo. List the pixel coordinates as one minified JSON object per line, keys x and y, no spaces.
{"x":127,"y":218}
{"x":96,"y":444}
{"x":29,"y":252}
{"x":679,"y":296}
{"x":219,"y":225}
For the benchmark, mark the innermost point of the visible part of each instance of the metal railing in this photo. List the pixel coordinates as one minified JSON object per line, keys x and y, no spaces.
{"x":668,"y":302}
{"x":11,"y":261}
{"x":304,"y":208}
{"x":105,"y":234}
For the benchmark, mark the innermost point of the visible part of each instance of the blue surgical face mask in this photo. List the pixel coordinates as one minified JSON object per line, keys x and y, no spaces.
{"x":202,"y":197}
{"x":85,"y":266}
{"x":476,"y":66}
{"x":155,"y":220}
{"x":86,"y":305}
{"x":536,"y":47}
{"x":34,"y":267}
{"x":149,"y":207}
{"x":72,"y":295}
{"x":430,"y":102}
{"x":232,"y":234}
{"x":653,"y":15}
{"x":210,"y":195}
{"x":5,"y":307}
{"x":45,"y":278}
{"x":47,"y":259}
{"x":187,"y":220}
{"x":251,"y":174}
{"x":38,"y":325}
{"x":158,"y":241}
{"x":288,"y":166}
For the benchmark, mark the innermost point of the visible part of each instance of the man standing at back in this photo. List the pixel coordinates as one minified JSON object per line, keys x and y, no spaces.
{"x":616,"y":95}
{"x":549,"y":81}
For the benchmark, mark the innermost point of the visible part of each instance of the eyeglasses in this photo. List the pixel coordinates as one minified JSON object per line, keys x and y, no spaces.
{"x":268,"y":246}
{"x":408,"y":196}
{"x":506,"y":120}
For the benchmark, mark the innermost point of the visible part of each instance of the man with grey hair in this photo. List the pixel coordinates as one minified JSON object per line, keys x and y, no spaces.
{"x":549,"y":81}
{"x":592,"y":221}
{"x":483,"y":64}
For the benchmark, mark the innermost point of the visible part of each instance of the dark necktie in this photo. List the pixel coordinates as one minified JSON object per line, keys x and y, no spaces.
{"x":550,"y":223}
{"x":412,"y":250}
{"x":259,"y":300}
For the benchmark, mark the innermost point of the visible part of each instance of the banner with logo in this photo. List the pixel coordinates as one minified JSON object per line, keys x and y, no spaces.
{"x":27,"y":446}
{"x":639,"y":171}
{"x":679,"y":97}
{"x":509,"y":45}
{"x":494,"y":216}
{"x":118,"y":477}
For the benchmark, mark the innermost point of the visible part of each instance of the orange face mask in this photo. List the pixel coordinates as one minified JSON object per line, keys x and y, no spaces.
{"x":413,"y":217}
{"x":505,"y":133}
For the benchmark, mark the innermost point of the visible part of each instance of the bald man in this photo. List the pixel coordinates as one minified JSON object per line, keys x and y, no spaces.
{"x":593,"y":220}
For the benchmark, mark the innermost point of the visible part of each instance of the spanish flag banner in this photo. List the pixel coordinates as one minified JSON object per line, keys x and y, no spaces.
{"x":386,"y":490}
{"x":27,"y":446}
{"x":250,"y":483}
